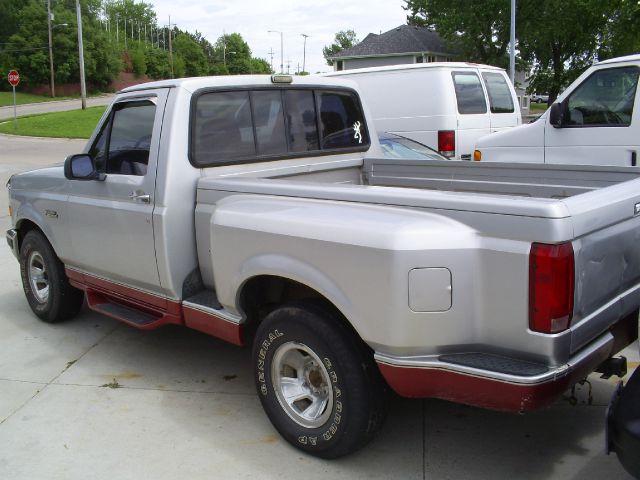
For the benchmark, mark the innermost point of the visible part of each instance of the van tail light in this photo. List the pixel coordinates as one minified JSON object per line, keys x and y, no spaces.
{"x":551,"y":285}
{"x":447,"y":143}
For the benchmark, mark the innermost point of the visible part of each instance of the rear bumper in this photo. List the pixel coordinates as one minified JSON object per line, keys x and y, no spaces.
{"x":623,"y":425}
{"x":12,"y":241}
{"x":491,"y":381}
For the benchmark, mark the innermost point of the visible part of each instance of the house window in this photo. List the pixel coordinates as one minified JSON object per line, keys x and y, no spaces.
{"x":419,"y":59}
{"x":430,"y":58}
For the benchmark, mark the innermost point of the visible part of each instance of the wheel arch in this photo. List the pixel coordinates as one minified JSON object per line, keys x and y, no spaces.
{"x":24,"y":226}
{"x":261,"y":294}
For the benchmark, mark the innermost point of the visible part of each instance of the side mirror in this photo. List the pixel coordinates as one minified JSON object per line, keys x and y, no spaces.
{"x":556,"y":115}
{"x":81,"y":167}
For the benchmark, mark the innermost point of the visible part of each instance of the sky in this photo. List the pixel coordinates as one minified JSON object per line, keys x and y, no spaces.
{"x":320,"y":19}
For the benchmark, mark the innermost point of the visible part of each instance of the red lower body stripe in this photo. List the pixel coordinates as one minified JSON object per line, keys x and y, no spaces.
{"x":100,"y":291}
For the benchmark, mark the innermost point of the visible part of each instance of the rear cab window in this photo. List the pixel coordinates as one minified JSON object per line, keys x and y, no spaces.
{"x":269,"y":124}
{"x":500,"y":99}
{"x":469,"y":93}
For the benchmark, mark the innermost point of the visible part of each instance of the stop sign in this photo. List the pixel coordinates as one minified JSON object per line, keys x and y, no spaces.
{"x":14,"y":78}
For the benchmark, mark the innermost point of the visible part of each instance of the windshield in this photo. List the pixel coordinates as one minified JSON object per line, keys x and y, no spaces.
{"x":400,"y":147}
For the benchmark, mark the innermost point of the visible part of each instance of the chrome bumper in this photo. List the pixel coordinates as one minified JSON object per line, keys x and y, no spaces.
{"x":598,"y":349}
{"x":12,"y":241}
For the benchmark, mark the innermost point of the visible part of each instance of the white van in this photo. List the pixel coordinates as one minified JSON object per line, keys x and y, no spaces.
{"x":445,"y":105}
{"x":593,"y":122}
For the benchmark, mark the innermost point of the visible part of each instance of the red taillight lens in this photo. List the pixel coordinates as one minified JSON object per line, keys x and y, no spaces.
{"x":551,"y":282}
{"x":447,"y":143}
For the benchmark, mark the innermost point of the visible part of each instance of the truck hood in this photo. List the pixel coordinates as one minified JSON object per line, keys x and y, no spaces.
{"x":527,"y":135}
{"x":50,"y":178}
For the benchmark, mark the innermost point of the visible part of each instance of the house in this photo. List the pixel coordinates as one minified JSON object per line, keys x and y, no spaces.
{"x":403,"y":44}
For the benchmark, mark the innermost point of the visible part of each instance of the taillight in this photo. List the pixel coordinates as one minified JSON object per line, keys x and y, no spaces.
{"x":551,"y":284}
{"x":447,"y":143}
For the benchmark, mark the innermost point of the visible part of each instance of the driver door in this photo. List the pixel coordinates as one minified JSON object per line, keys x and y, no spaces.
{"x":111,"y":221}
{"x":600,"y":128}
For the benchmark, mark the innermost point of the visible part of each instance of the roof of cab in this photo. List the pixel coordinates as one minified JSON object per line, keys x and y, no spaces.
{"x":414,"y":66}
{"x":195,"y":83}
{"x":629,"y":58}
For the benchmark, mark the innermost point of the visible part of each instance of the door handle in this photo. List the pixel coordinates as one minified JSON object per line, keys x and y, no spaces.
{"x":140,"y":196}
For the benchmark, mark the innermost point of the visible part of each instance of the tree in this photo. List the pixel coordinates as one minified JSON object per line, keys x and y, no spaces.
{"x":560,"y":39}
{"x":195,"y":61}
{"x":621,"y":35}
{"x":477,"y":29}
{"x":343,"y":39}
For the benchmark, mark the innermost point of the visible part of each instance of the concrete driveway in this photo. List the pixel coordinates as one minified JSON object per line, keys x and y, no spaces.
{"x":94,"y":399}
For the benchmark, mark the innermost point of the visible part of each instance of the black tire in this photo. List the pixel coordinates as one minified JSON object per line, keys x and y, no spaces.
{"x":44,"y":282}
{"x":338,"y":370}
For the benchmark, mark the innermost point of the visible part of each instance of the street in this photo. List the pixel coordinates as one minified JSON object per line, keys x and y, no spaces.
{"x":93,"y":398}
{"x":6,"y":113}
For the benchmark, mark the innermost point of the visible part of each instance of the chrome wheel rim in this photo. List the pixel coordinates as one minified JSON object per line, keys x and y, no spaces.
{"x":302,"y":384}
{"x":38,"y":277}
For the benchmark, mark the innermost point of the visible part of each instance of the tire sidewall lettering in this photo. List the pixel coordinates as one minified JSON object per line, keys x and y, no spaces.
{"x":307,"y":437}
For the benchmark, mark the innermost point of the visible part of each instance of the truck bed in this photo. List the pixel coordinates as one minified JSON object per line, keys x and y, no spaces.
{"x":494,"y":210}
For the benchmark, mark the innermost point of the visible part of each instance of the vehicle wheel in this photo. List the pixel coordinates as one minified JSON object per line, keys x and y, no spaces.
{"x":317,"y":381}
{"x":44,"y":282}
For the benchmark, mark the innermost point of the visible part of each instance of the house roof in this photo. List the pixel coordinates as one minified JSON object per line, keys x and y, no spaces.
{"x":402,"y":39}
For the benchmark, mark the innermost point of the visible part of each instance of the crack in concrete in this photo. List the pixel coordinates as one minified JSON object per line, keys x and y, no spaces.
{"x":45,"y":385}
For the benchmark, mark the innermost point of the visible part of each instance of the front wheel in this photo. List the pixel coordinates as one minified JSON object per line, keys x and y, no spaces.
{"x":317,"y":382}
{"x":44,"y":282}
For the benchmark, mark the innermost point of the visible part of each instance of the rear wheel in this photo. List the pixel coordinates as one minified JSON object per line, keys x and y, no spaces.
{"x":317,"y":382}
{"x":44,"y":282}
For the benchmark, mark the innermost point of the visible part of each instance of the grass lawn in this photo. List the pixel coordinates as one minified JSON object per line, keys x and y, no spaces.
{"x":538,"y":107}
{"x":71,"y":124}
{"x":6,"y":98}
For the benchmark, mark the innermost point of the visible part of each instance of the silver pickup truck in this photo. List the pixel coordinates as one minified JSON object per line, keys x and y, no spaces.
{"x":259,"y":210}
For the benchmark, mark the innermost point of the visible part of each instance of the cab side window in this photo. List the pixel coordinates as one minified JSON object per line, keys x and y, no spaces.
{"x":123,"y":144}
{"x":606,"y":98}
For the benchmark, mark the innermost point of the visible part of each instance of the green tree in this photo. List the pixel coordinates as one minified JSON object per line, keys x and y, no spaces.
{"x":260,"y":65}
{"x":157,"y":62}
{"x":621,"y":35}
{"x":195,"y":61}
{"x":343,"y":39}
{"x":560,"y":38}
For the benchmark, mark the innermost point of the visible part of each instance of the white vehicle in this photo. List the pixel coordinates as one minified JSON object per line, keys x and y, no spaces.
{"x":592,"y":123}
{"x":446,"y":106}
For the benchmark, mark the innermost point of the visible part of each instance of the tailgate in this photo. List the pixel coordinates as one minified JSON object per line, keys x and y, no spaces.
{"x":606,"y":226}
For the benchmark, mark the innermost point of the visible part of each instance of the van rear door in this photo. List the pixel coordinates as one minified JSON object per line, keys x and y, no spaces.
{"x":473,"y":112}
{"x":504,"y":112}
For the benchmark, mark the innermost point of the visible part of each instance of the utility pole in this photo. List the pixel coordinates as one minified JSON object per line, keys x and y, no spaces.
{"x":53,"y":90}
{"x":83,"y":86}
{"x":125,"y":33}
{"x":281,"y":49}
{"x":170,"y":49}
{"x":512,"y":52}
{"x":118,"y":30}
{"x":271,"y":52}
{"x":304,"y":52}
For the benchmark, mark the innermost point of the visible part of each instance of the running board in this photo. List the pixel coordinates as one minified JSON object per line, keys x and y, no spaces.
{"x":143,"y":319}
